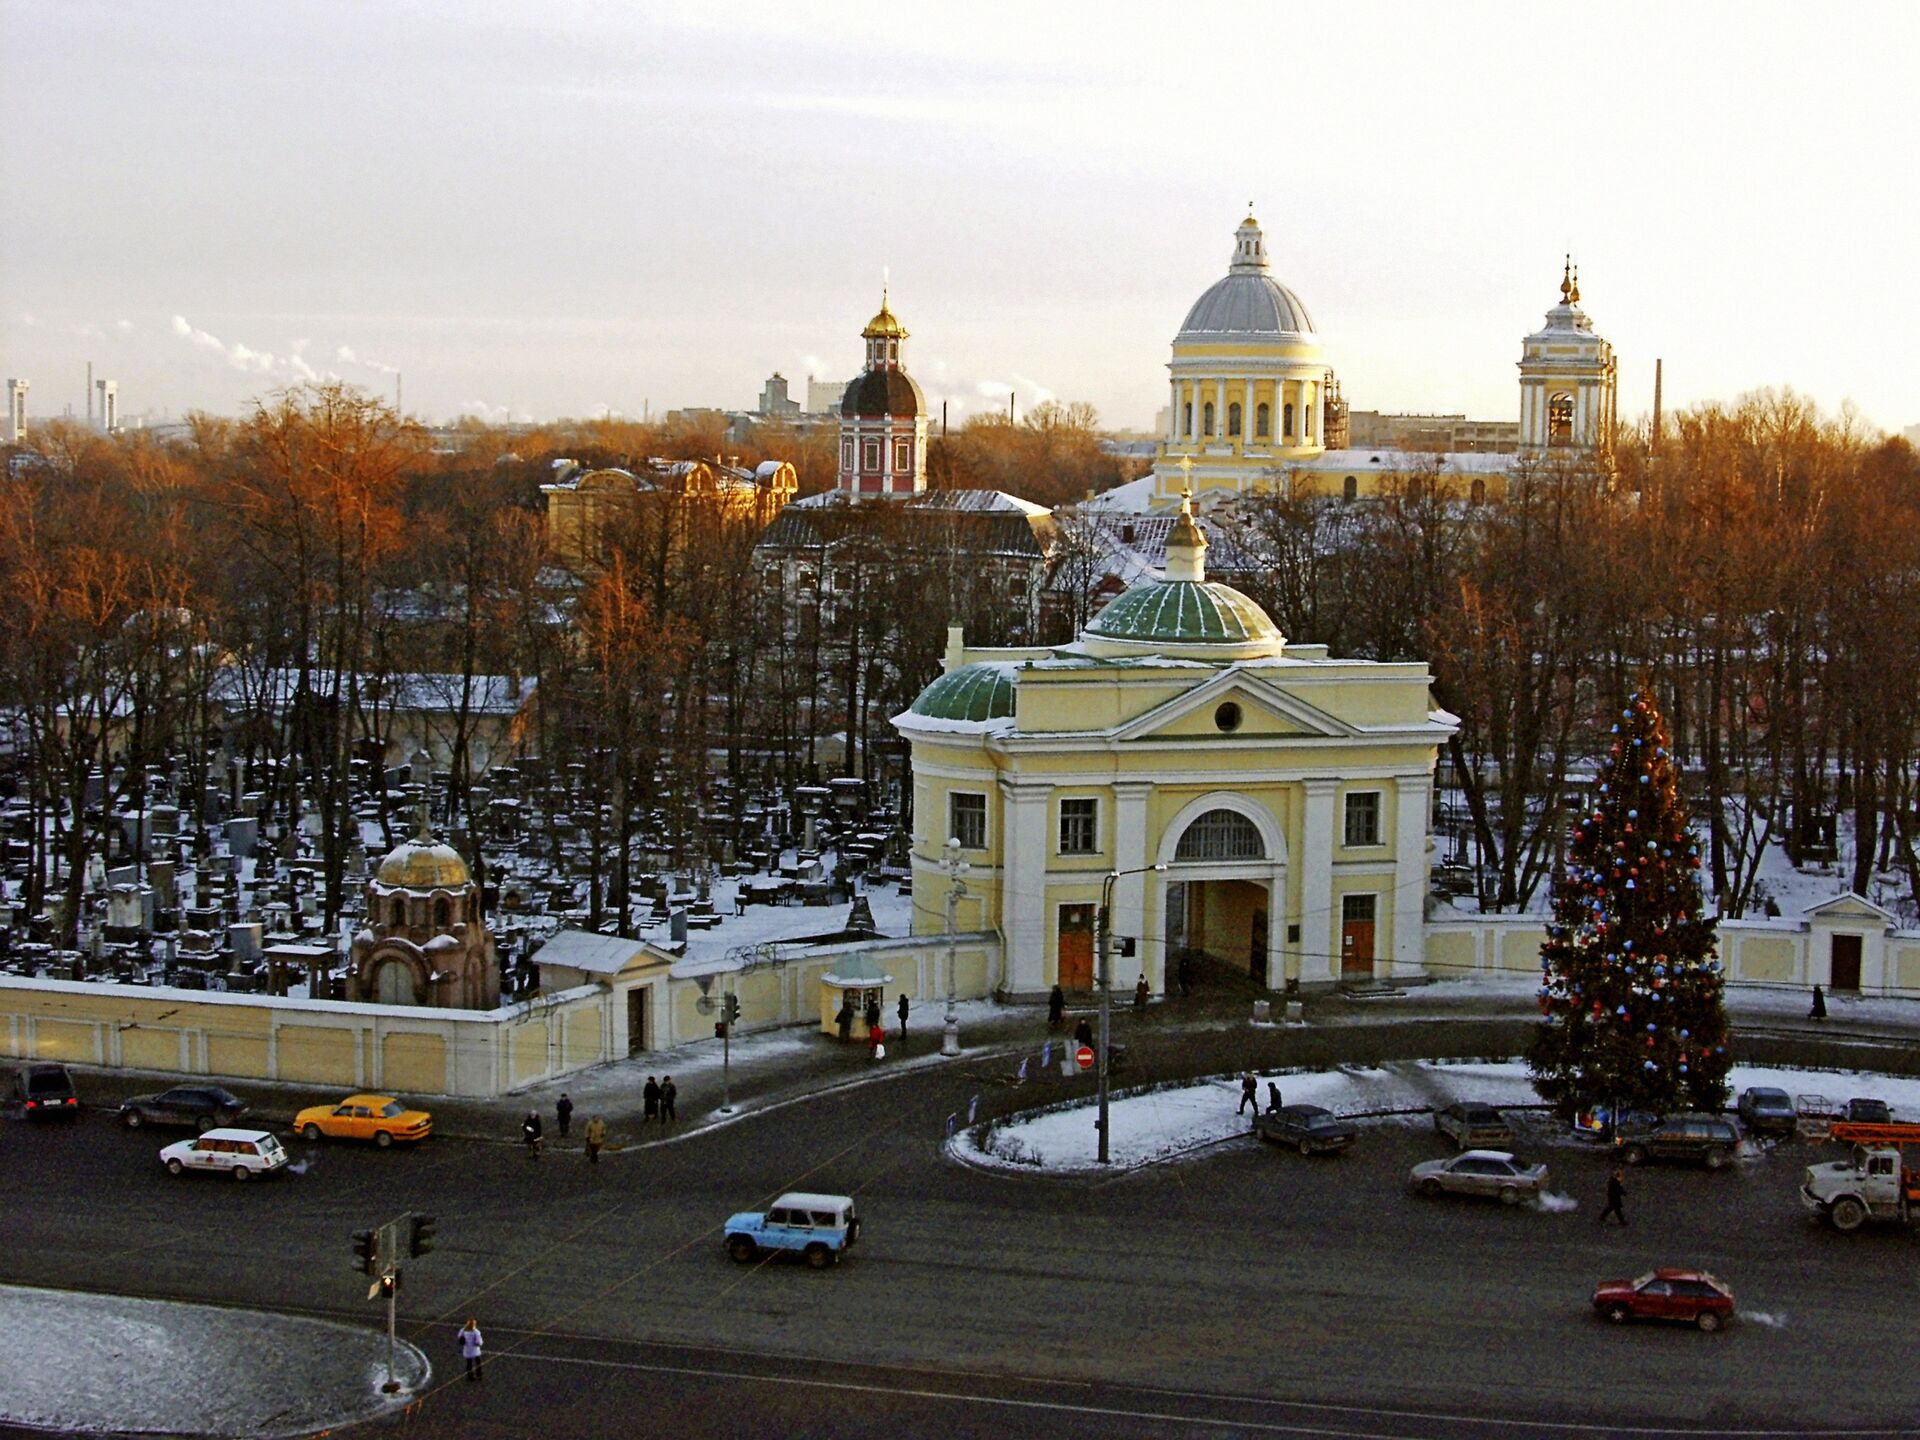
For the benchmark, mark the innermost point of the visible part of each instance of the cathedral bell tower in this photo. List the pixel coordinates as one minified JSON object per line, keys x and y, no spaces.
{"x":883,"y":419}
{"x":1567,"y":379}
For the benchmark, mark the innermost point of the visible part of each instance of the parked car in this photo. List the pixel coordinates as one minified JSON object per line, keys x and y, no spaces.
{"x":1305,"y":1127}
{"x":242,"y":1154}
{"x":1704,"y":1138}
{"x":1692,"y":1297}
{"x":1473,"y":1124}
{"x":379,"y":1118}
{"x":1868,"y":1112}
{"x":200,"y":1106}
{"x":818,"y":1227}
{"x":45,"y":1092}
{"x":1766,"y":1111}
{"x":1480,"y":1172}
{"x":1599,"y":1123}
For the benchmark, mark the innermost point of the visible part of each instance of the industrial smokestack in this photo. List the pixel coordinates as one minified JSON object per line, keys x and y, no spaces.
{"x":1656,"y":406}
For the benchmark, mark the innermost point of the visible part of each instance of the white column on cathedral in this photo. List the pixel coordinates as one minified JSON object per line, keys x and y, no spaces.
{"x":1220,"y":407}
{"x":1246,"y":417}
{"x":1410,"y":872}
{"x":1023,"y":886}
{"x":1173,"y":412}
{"x":1309,"y":398}
{"x":1319,"y":944}
{"x":1129,"y":914}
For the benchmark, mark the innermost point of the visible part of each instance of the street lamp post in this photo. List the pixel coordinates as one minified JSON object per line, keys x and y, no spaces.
{"x":1105,"y":922}
{"x":955,"y":868}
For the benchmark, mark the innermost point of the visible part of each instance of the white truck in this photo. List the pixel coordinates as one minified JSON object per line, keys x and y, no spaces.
{"x":1876,"y":1184}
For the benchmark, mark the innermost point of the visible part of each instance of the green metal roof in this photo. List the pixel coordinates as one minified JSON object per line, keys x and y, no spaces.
{"x":971,"y":692}
{"x":1184,"y":612}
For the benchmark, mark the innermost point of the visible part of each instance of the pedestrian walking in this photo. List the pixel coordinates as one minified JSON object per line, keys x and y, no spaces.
{"x":1249,"y":1094}
{"x":651,"y":1098}
{"x":563,"y":1112}
{"x":873,"y":1011}
{"x":1616,"y":1195}
{"x":669,"y":1092}
{"x":470,"y":1346}
{"x":1083,"y":1032}
{"x":1056,"y":1008}
{"x":596,"y":1136}
{"x":845,"y":1020}
{"x":1819,"y":1010}
{"x":530,"y":1133}
{"x":1186,"y":974}
{"x":903,"y":1008}
{"x":1140,"y":994}
{"x":1273,"y":1098}
{"x":876,"y":1041}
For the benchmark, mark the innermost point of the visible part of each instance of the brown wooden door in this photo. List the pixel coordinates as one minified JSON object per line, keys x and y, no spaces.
{"x":1076,"y":947}
{"x":636,"y":1019}
{"x":1846,"y":963}
{"x":1356,"y":937}
{"x":1257,"y":949}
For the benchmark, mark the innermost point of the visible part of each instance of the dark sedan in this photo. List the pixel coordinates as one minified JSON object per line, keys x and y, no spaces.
{"x":198,"y":1107}
{"x":1766,"y":1111}
{"x":1305,"y":1127}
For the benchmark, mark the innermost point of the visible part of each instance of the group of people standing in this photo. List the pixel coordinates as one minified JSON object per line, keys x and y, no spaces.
{"x":657,"y":1099}
{"x":594,"y":1138}
{"x":876,"y":1032}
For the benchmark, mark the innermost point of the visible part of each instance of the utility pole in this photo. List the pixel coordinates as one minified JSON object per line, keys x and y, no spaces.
{"x":955,"y":868}
{"x":1104,"y":919}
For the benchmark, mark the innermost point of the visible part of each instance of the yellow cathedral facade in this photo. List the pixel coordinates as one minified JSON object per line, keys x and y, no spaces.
{"x":1252,"y":803}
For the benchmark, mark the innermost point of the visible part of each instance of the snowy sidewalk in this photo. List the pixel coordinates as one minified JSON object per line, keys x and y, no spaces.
{"x":106,"y":1364}
{"x":1180,"y":1122}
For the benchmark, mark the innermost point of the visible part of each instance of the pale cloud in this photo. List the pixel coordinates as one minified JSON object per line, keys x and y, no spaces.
{"x":492,"y":414}
{"x":248,"y":360}
{"x":347,"y":356}
{"x":125,"y":327}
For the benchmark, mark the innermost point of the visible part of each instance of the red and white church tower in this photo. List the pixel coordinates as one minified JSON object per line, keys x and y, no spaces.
{"x":883,"y":419}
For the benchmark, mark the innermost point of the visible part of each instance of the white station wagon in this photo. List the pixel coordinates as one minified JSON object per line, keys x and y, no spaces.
{"x":242,"y":1154}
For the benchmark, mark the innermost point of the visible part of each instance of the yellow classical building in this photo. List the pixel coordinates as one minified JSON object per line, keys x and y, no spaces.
{"x":587,"y":509}
{"x":1255,"y":406}
{"x":1256,"y":803}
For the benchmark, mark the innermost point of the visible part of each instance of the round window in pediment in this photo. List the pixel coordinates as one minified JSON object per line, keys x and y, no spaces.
{"x":1227,"y":716}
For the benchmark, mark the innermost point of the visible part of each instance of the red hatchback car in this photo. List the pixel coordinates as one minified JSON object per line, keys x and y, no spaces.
{"x":1691,"y":1296}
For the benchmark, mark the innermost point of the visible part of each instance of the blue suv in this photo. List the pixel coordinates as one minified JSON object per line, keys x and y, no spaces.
{"x":818,"y":1227}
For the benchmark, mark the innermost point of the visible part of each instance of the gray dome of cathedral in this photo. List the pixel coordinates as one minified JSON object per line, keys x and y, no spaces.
{"x":1247,"y":300}
{"x":1246,"y":304}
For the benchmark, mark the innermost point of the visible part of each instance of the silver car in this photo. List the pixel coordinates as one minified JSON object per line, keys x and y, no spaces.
{"x":1481,"y":1172}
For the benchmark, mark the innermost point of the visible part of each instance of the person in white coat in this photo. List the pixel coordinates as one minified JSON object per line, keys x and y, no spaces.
{"x":470,"y":1346}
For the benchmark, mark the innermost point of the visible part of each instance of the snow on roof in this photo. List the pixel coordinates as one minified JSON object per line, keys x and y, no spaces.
{"x":585,"y":950}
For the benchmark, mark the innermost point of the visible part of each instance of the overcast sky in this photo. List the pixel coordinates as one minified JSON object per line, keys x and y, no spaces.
{"x":560,"y":208}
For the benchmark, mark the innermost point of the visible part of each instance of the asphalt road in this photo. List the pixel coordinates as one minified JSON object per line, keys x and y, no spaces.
{"x":1246,"y":1292}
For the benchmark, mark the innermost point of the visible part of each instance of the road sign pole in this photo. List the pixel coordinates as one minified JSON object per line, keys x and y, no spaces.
{"x":393,"y":1382}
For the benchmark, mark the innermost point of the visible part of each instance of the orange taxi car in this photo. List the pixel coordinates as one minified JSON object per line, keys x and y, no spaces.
{"x":379,"y":1118}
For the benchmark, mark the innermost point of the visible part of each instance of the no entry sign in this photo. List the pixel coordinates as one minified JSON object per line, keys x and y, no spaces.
{"x":1083,"y":1057}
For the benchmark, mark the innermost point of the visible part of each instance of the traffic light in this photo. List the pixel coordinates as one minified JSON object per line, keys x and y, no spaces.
{"x":420,"y":1237}
{"x":389,"y":1283}
{"x":733,"y":1009}
{"x":719,"y":1029}
{"x":366,"y":1251}
{"x":1127,"y":947}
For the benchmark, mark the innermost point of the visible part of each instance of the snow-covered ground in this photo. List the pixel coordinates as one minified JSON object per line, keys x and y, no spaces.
{"x":1178,"y":1123}
{"x":108,"y":1364}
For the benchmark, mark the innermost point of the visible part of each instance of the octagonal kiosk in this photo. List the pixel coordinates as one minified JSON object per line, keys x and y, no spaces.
{"x":855,"y":978}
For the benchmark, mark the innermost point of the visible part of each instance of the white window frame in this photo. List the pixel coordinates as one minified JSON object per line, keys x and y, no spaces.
{"x":954,"y":797}
{"x":1353,"y":810}
{"x":1091,"y":821}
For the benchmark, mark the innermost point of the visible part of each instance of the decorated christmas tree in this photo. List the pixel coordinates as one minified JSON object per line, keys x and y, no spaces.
{"x":1630,"y":987}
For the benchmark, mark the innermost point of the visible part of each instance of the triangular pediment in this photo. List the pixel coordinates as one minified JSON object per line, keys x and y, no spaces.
{"x":1848,"y":906}
{"x":1264,"y":709}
